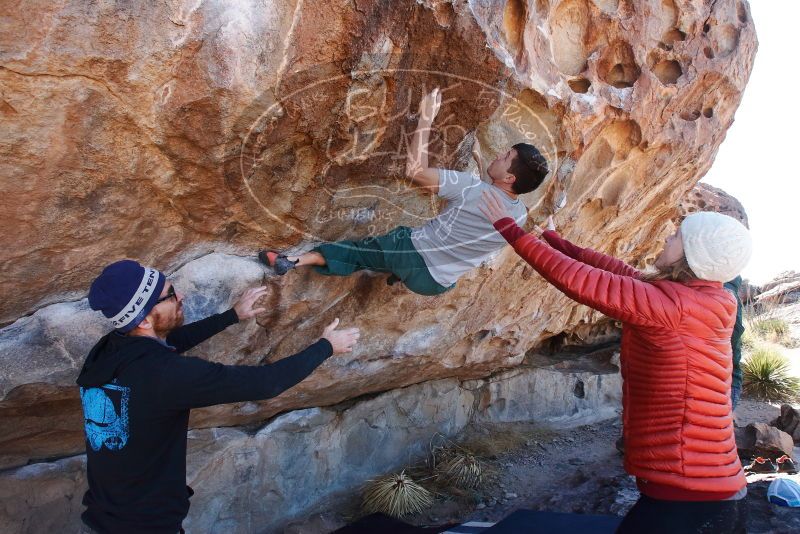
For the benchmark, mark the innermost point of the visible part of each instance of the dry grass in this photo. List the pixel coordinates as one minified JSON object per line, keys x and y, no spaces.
{"x":749,"y":340}
{"x":454,"y":469}
{"x":460,"y":469}
{"x":763,"y":323}
{"x":396,"y":495}
{"x":490,"y":441}
{"x":772,"y":329}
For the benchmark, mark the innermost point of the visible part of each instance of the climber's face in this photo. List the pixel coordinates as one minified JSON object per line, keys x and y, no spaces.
{"x":672,"y":253}
{"x":167,"y":315}
{"x":498,"y":169}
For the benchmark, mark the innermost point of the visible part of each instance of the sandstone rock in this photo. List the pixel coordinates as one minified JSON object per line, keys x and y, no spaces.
{"x":43,"y":497}
{"x":706,"y":197}
{"x":259,"y":480}
{"x":761,"y":439}
{"x":186,"y":135}
{"x":315,"y":523}
{"x":563,"y":397}
{"x":785,"y":289}
{"x":789,"y":422}
{"x":42,"y":354}
{"x":787,"y":277}
{"x":165,"y":131}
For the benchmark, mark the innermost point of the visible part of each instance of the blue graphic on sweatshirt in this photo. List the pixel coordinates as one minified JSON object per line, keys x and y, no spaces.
{"x":105,"y":413}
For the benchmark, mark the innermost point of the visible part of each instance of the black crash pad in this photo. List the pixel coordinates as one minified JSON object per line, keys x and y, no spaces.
{"x":532,"y":522}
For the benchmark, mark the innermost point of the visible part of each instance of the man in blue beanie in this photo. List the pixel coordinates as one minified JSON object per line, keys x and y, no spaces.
{"x":137,"y":391}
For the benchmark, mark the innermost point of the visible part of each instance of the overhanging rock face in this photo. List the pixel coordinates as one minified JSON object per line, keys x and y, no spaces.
{"x":188,"y":134}
{"x":256,"y":482}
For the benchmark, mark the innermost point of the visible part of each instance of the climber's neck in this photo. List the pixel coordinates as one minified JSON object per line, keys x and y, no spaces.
{"x":506,"y":189}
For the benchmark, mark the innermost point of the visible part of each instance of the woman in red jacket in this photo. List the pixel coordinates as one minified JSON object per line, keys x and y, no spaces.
{"x":675,"y":361}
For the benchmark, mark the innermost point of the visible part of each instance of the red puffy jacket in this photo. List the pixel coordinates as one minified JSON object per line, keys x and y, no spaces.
{"x":676,"y":365}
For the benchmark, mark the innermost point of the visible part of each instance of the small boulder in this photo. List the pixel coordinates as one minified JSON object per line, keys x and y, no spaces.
{"x":761,"y":439}
{"x":789,"y":422}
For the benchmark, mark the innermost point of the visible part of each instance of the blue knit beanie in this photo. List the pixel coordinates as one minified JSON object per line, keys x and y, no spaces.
{"x":126,"y":292}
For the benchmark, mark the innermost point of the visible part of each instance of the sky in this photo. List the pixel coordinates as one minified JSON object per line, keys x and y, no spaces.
{"x":754,"y":162}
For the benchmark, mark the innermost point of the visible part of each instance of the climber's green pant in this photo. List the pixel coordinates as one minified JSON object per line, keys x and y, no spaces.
{"x":390,"y":253}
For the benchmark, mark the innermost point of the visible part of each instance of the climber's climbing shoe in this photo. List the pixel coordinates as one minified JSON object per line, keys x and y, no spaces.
{"x":277,"y":261}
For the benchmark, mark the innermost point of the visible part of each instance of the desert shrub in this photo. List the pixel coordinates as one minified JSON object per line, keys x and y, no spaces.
{"x":770,"y":328}
{"x":460,"y":469}
{"x":749,"y":340}
{"x":767,"y":375}
{"x":396,"y":495}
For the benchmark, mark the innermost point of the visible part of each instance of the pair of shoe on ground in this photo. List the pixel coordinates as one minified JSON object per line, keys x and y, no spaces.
{"x":784,"y":464}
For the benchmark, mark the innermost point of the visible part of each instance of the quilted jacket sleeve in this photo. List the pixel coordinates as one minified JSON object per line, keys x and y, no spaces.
{"x":589,"y":256}
{"x":620,"y":296}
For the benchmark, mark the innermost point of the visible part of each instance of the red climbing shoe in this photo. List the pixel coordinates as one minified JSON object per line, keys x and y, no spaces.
{"x":277,"y":261}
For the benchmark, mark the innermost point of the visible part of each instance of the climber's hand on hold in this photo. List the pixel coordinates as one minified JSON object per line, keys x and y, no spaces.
{"x":417,"y":169}
{"x":492,"y":207}
{"x":341,"y":340}
{"x":549,"y":225}
{"x":476,"y":155}
{"x":245,"y":306}
{"x":429,"y":106}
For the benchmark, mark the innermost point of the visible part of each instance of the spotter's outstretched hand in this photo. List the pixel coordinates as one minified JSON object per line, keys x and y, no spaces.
{"x":492,"y":206}
{"x":244,"y":306}
{"x":550,"y":225}
{"x":341,"y":340}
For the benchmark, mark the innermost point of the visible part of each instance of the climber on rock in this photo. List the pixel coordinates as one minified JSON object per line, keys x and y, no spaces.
{"x":137,"y":391}
{"x":430,"y":259}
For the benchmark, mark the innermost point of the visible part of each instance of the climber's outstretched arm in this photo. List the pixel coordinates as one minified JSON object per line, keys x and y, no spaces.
{"x":417,"y":169}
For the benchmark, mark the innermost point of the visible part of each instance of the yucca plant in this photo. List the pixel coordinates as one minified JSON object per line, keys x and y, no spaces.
{"x":767,"y":375}
{"x":396,"y":495}
{"x":460,"y":469}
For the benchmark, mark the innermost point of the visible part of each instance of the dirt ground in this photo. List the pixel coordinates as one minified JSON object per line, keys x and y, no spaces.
{"x":564,"y":470}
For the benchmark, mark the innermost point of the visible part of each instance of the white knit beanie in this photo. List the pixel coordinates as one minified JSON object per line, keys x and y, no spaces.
{"x":717,"y":247}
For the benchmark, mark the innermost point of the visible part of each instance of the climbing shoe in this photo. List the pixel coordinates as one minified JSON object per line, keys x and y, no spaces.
{"x":277,"y":261}
{"x":761,"y":465}
{"x":786,"y":465}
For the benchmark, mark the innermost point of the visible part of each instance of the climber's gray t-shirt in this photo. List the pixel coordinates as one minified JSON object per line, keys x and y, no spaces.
{"x":461,"y":237}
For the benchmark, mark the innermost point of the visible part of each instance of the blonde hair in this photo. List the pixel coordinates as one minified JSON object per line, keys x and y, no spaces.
{"x":677,"y":272}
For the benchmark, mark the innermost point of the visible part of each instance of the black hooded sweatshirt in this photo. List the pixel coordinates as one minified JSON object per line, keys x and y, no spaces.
{"x":136,"y":394}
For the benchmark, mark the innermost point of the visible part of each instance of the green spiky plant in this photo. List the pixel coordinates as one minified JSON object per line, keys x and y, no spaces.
{"x":767,"y":375}
{"x":396,"y":495}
